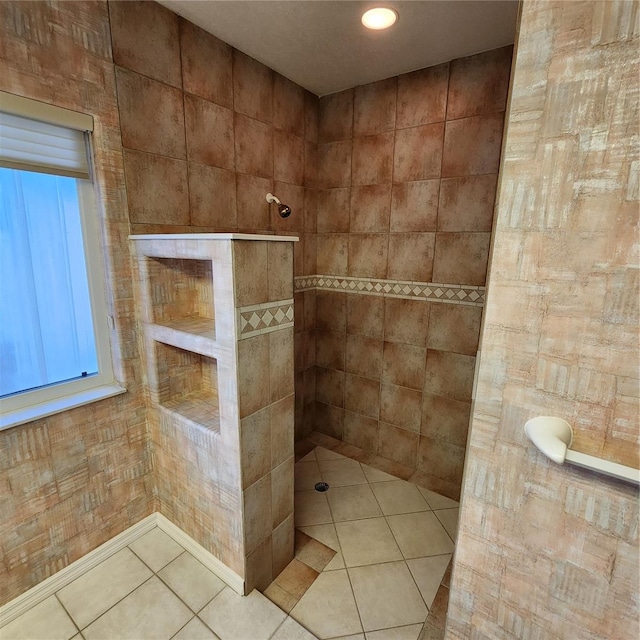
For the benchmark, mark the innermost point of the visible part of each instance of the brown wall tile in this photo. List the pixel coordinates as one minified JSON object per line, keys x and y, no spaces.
{"x":441,"y":459}
{"x":418,"y":153}
{"x":282,"y":491}
{"x":403,"y":365}
{"x":288,"y":157}
{"x":329,"y":420}
{"x":209,"y":130}
{"x":414,"y":206}
{"x":279,"y":270}
{"x":311,"y":210}
{"x":255,"y":447}
{"x":368,"y":254}
{"x":288,"y":105}
{"x":362,"y":395}
{"x":466,"y":204}
{"x":330,"y":386}
{"x":280,"y":363}
{"x":334,"y":164}
{"x":411,"y":256}
{"x":151,"y":115}
{"x":257,"y":513}
{"x":372,"y":159}
{"x":252,"y":88}
{"x":206,"y":65}
{"x":311,"y":116}
{"x":449,"y":375}
{"x":365,"y":315}
{"x":363,"y":356}
{"x":422,"y":96}
{"x":292,"y":195}
{"x":370,"y":208}
{"x":445,"y":419}
{"x":397,"y":444}
{"x":454,"y":328}
{"x":406,"y":321}
{"x":330,"y":349}
{"x":203,"y":182}
{"x":251,"y":277}
{"x":253,"y":210}
{"x":144,"y":37}
{"x":479,"y":84}
{"x":461,"y":258}
{"x":254,"y":147}
{"x":331,"y":311}
{"x":401,"y":407}
{"x":374,"y":109}
{"x":472,"y":146}
{"x":157,"y":190}
{"x":253,"y":385}
{"x":333,"y":210}
{"x":281,"y":426}
{"x":360,"y":431}
{"x":335,"y":120}
{"x":333,"y":253}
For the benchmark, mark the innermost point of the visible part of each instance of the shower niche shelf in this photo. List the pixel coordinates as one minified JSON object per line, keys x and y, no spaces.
{"x":201,"y":374}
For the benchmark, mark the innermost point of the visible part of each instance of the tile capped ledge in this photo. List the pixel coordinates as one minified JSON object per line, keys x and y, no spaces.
{"x":214,"y":236}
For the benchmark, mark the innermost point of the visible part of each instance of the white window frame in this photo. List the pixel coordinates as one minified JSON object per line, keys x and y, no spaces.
{"x":27,"y":406}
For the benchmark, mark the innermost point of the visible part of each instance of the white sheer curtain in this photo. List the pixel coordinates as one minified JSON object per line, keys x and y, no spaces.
{"x":46,"y":329}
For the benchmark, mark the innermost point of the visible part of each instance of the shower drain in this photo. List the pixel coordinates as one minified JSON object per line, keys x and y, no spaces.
{"x":322,"y":486}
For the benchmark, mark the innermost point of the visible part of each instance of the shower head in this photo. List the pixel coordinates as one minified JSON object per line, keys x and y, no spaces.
{"x":283,"y":209}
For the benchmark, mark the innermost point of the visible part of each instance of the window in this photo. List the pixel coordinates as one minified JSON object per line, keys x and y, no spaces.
{"x":54,"y":338}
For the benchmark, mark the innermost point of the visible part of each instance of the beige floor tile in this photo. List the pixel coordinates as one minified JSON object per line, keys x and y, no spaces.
{"x":373,"y":475}
{"x":234,"y":617}
{"x":97,"y":590}
{"x":326,"y":533}
{"x":292,"y":630}
{"x":340,"y":473}
{"x":280,"y":597}
{"x":310,"y":457}
{"x":449,"y":520}
{"x":387,"y":596}
{"x":191,"y":581}
{"x":420,"y":534}
{"x":428,"y":573}
{"x":356,"y":636}
{"x":296,"y":578}
{"x":410,"y":632}
{"x":436,"y":501}
{"x":195,"y":629}
{"x":367,"y":542}
{"x":328,"y":608}
{"x":327,"y":454}
{"x":399,"y":497}
{"x":352,"y":503}
{"x":46,"y":621}
{"x":312,"y":552}
{"x":156,"y":549}
{"x":306,"y":476}
{"x":151,"y":612}
{"x":311,"y":507}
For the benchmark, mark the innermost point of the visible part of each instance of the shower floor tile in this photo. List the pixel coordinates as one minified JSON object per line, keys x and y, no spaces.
{"x":160,"y":592}
{"x":393,"y":540}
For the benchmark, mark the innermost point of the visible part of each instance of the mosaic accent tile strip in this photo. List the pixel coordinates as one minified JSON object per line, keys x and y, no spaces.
{"x":433,"y":292}
{"x":256,"y":319}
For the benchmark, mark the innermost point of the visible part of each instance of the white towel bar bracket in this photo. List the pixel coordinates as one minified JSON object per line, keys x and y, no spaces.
{"x":553,"y":437}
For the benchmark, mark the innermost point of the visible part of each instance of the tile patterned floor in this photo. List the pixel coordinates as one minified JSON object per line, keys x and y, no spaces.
{"x":393,"y":543}
{"x":380,"y":573}
{"x":153,"y":589}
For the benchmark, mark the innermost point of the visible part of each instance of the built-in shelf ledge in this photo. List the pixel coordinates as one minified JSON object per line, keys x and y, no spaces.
{"x":200,"y":408}
{"x":191,"y":334}
{"x":553,"y":437}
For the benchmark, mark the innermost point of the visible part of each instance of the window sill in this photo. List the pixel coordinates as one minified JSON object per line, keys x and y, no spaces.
{"x":44,"y":409}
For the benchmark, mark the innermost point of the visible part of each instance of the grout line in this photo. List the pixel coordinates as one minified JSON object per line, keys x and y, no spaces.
{"x":73,"y":622}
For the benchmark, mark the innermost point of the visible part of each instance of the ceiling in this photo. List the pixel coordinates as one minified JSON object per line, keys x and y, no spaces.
{"x":324,"y":47}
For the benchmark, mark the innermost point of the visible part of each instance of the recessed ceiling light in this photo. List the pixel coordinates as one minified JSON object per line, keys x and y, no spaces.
{"x":379,"y":18}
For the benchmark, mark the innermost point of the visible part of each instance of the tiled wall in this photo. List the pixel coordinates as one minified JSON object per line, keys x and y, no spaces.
{"x":548,"y":551}
{"x":207,"y":132}
{"x":74,"y":480}
{"x":407,"y":171}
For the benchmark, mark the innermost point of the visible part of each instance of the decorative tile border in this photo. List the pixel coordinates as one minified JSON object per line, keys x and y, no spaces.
{"x":433,"y":292}
{"x":264,"y":318}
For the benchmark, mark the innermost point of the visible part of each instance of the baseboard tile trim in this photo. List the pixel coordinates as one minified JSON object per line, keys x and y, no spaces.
{"x":230,"y":577}
{"x":16,"y":607}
